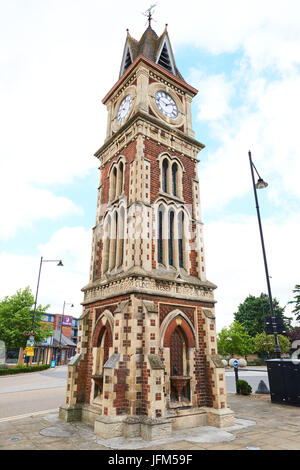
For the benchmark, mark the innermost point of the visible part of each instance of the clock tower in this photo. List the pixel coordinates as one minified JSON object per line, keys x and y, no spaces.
{"x":147,"y":357}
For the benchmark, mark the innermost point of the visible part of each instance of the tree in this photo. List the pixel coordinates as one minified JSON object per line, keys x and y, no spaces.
{"x":262,"y":347}
{"x":252,"y":311}
{"x":16,"y":313}
{"x":235,"y":340}
{"x":296,"y":310}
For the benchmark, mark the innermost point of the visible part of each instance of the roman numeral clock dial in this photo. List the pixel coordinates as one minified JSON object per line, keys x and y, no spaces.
{"x":166,"y":104}
{"x":124,"y":108}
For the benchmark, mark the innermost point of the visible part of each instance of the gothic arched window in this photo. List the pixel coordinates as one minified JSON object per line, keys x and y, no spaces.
{"x":181,"y":239}
{"x":106,"y":244}
{"x":174,"y":178}
{"x":165,"y":175}
{"x":120,"y":179}
{"x":121,"y":239}
{"x":171,"y":238}
{"x":160,"y":234}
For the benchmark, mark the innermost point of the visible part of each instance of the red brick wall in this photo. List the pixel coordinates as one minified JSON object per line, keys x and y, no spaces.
{"x":152,"y":150}
{"x":129,"y":152}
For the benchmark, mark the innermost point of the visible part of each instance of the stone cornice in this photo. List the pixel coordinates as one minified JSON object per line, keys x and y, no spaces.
{"x":199,"y":291}
{"x":150,"y":127}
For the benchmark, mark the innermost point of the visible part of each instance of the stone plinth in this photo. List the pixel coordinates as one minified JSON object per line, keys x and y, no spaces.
{"x":155,"y":429}
{"x":220,"y":418}
{"x":70,"y":413}
{"x":109,"y":426}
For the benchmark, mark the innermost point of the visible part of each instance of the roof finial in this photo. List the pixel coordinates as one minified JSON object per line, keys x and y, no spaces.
{"x":148,"y":13}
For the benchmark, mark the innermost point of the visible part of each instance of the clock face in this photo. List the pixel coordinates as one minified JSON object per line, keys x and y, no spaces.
{"x":166,"y":104}
{"x":124,"y":108}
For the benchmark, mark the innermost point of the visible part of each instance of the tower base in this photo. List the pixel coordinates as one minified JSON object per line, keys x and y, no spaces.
{"x":149,"y":429}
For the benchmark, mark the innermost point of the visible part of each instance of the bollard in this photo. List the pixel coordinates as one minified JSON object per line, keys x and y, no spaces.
{"x":236,"y":373}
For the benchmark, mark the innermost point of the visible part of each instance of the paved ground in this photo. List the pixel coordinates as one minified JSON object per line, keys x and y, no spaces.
{"x":260,"y":425}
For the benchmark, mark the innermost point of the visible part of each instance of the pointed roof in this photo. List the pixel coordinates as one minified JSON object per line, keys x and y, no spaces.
{"x":154,"y":47}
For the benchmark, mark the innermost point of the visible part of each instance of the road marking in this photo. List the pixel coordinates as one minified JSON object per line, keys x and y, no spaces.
{"x":28,"y":415}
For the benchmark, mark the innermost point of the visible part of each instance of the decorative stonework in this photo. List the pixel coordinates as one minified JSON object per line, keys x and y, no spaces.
{"x":147,"y":359}
{"x":151,"y":286}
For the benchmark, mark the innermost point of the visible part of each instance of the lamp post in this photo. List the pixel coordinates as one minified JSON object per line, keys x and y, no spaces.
{"x":260,"y":185}
{"x":59,"y":263}
{"x":38,"y":283}
{"x":61,"y":325}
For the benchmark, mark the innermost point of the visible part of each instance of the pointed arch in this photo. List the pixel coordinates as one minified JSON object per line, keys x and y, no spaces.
{"x":165,"y":166}
{"x":174,"y":179}
{"x":106,"y":244}
{"x":105,"y":320}
{"x":171,"y":238}
{"x":169,"y":324}
{"x":160,"y":249}
{"x":181,"y":239}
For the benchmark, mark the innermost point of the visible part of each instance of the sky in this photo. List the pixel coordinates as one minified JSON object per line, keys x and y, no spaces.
{"x":59,"y":58}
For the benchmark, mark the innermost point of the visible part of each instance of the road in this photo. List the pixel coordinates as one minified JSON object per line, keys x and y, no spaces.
{"x":253,"y":378}
{"x":41,"y":391}
{"x":32,"y":392}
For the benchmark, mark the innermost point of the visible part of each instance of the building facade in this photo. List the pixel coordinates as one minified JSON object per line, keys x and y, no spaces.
{"x":69,"y":325}
{"x":147,"y":359}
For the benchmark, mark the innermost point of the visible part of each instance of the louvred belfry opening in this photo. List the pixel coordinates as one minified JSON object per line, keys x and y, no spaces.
{"x":164,"y":59}
{"x":128,"y":61}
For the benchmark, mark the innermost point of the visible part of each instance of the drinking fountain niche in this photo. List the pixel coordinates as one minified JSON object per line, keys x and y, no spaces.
{"x":179,"y":368}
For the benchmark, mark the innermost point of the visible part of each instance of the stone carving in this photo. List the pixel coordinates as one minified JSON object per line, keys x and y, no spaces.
{"x":153,"y":286}
{"x":155,"y":361}
{"x":112,"y":362}
{"x":150,"y":306}
{"x":208,"y":313}
{"x":217,"y":361}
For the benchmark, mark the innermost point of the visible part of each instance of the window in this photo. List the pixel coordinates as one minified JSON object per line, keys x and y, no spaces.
{"x":171,"y":176}
{"x":113,"y":183}
{"x":160,"y":234}
{"x":120,"y":241}
{"x":165,"y":175}
{"x":171,"y":238}
{"x":106,"y":244}
{"x":174,"y":178}
{"x":116,"y":180}
{"x":180,"y":239}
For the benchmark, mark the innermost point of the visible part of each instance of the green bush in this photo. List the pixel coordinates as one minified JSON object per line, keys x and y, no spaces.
{"x":23,"y":369}
{"x":243,"y":388}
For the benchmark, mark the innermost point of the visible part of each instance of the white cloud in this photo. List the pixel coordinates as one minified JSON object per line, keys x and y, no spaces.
{"x":57,"y":284}
{"x":24,"y":204}
{"x":213,"y":96}
{"x":267,"y":32}
{"x":58,"y":59}
{"x":235,"y":261}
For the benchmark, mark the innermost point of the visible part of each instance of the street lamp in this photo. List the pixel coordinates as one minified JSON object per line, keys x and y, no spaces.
{"x":61,"y":325}
{"x":260,"y":185}
{"x":59,"y":263}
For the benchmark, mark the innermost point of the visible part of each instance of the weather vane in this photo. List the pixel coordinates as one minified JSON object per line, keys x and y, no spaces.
{"x":149,"y":12}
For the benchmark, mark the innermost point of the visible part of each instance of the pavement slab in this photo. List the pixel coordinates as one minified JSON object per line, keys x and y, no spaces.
{"x":259,"y":424}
